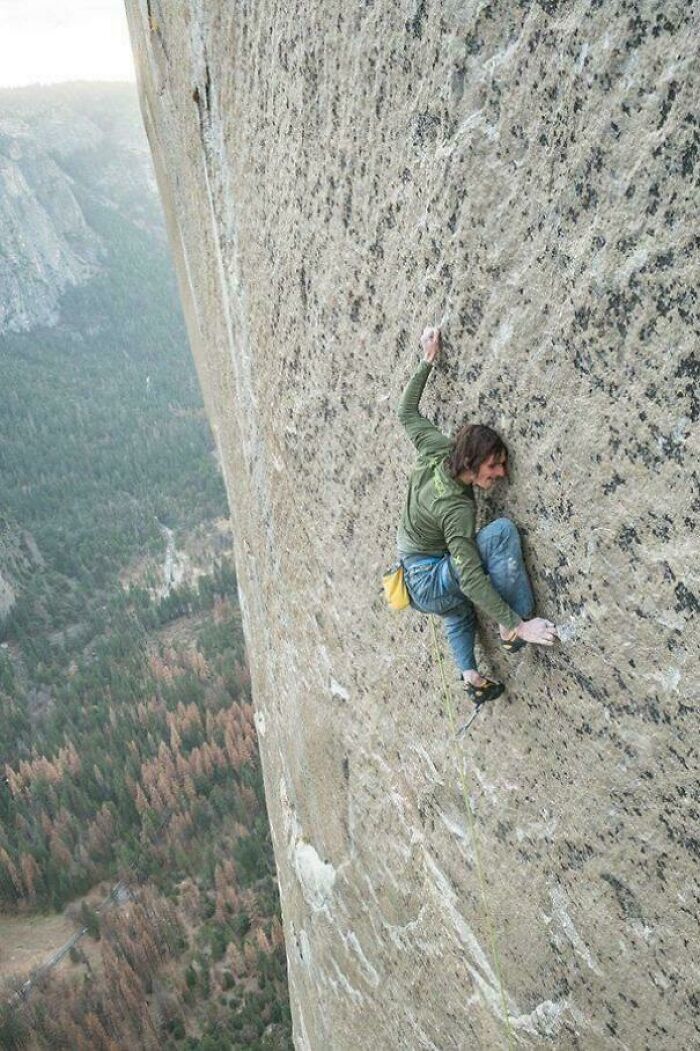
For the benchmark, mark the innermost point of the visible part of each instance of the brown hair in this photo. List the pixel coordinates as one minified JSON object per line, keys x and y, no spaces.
{"x":474,"y":444}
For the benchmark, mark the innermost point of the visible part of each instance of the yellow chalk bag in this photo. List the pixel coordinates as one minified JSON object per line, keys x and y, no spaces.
{"x":395,"y":590}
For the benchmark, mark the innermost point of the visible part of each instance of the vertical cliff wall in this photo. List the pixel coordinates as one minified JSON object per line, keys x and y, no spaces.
{"x":335,"y":175}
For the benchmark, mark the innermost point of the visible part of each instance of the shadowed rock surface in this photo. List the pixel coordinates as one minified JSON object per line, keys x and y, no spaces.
{"x":334,"y":176}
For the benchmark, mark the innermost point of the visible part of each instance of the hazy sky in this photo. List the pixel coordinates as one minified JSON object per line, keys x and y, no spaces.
{"x":45,"y":41}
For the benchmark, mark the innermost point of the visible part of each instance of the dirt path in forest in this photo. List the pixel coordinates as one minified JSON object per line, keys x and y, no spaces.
{"x":33,"y":944}
{"x":26,"y":941}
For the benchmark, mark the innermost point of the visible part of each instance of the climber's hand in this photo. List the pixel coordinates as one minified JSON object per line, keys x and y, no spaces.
{"x":538,"y":630}
{"x":431,"y":344}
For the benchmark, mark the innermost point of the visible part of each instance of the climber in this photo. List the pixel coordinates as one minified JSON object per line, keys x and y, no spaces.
{"x":449,"y":567}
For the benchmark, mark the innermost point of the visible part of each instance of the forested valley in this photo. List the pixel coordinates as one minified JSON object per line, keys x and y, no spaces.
{"x":131,"y":797}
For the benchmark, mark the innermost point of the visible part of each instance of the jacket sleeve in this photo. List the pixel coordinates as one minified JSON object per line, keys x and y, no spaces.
{"x":427,"y":438}
{"x":473,"y":580}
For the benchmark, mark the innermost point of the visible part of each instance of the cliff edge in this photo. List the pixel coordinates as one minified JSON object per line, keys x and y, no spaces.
{"x":335,"y":176}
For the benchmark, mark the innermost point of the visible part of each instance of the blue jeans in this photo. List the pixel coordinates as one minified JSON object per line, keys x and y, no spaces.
{"x":433,"y":585}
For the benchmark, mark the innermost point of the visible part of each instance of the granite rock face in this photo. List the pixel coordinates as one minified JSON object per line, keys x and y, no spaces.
{"x":335,"y":175}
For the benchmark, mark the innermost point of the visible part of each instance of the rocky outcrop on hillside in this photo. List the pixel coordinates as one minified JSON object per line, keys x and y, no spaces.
{"x":47,"y":245}
{"x":335,"y":176}
{"x":19,"y":555}
{"x":62,"y":150}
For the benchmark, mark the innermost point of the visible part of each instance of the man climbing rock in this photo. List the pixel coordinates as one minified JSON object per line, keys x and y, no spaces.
{"x":450,"y":568}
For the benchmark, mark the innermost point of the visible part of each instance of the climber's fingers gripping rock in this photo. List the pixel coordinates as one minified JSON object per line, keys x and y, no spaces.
{"x":431,"y":343}
{"x":538,"y":630}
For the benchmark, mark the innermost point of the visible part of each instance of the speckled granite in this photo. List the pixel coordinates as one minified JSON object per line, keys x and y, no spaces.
{"x":335,"y":175}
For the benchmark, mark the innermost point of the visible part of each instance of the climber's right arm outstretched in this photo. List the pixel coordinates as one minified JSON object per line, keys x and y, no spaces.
{"x":427,"y":438}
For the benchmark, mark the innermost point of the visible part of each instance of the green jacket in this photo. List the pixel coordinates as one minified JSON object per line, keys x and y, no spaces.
{"x":440,"y":513}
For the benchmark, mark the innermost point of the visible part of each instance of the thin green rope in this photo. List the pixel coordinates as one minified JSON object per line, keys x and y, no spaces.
{"x":464,"y":780}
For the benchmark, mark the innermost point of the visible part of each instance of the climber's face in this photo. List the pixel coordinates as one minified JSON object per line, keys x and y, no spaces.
{"x":490,"y":471}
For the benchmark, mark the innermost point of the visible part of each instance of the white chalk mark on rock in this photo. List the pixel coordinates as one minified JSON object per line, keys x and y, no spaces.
{"x":567,"y":632}
{"x":544,"y":1020}
{"x":502,"y":337}
{"x":315,"y":876}
{"x":669,"y":678}
{"x":559,"y":905}
{"x":433,"y":771}
{"x":481,"y":972}
{"x":370,"y":972}
{"x":457,"y":830}
{"x":339,"y":691}
{"x":344,"y":983}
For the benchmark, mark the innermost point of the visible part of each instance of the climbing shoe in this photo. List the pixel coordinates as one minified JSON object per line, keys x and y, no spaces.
{"x":513,"y":644}
{"x":489,"y":691}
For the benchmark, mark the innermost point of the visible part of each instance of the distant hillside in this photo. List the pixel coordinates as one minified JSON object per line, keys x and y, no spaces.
{"x":64,"y":150}
{"x":103,"y":438}
{"x":127,"y":740}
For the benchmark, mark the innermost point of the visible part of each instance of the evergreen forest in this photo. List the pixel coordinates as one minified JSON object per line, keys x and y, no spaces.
{"x":131,"y":799}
